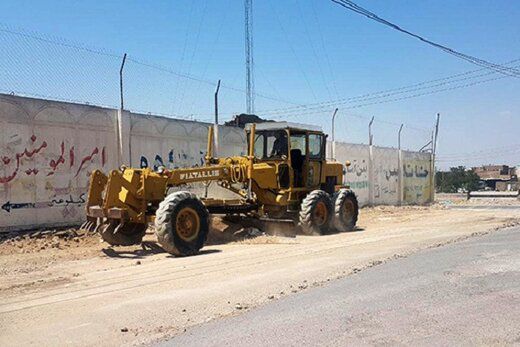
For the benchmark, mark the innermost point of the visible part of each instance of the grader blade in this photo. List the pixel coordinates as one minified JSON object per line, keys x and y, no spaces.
{"x":97,"y":184}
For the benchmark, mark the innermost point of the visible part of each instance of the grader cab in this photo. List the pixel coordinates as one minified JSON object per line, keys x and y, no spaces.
{"x":284,"y":177}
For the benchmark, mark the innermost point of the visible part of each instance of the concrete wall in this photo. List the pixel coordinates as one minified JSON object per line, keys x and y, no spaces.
{"x":386,"y":176}
{"x":417,"y":178}
{"x":357,"y":174}
{"x":48,"y":149}
{"x":159,"y":141}
{"x":377,"y":177}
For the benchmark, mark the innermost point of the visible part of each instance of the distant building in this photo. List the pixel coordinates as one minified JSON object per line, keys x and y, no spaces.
{"x":498,"y":177}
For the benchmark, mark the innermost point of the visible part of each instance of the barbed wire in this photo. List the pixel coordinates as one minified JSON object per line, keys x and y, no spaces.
{"x":46,"y":66}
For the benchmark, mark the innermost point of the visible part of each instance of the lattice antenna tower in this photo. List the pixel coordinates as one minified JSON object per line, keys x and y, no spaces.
{"x":250,"y":81}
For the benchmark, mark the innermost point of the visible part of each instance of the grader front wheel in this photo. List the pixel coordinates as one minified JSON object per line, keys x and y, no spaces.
{"x":182,"y":224}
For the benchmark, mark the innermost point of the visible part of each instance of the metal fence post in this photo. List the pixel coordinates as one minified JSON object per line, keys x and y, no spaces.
{"x":370,"y":164}
{"x":399,"y":168}
{"x":119,"y":119}
{"x":333,"y":145}
{"x":215,"y":126}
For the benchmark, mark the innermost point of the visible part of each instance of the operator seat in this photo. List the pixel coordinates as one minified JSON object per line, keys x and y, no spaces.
{"x":297,"y":160}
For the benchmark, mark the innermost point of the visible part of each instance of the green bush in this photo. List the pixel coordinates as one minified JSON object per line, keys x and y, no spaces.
{"x":455,"y":179}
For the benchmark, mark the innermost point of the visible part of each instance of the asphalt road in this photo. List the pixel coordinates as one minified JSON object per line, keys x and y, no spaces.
{"x":465,"y":293}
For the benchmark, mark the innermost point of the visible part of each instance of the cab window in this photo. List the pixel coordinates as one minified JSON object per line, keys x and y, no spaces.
{"x":315,"y":146}
{"x":298,"y":143}
{"x":270,"y":144}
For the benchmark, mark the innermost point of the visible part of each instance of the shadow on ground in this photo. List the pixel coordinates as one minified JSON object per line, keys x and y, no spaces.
{"x":147,"y":248}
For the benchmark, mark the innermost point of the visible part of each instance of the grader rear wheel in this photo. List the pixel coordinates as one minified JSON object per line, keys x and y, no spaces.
{"x":126,"y":234}
{"x":182,"y":224}
{"x":346,"y":210}
{"x":316,"y":213}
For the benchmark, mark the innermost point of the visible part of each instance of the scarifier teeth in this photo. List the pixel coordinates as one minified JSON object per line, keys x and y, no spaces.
{"x":118,"y":228}
{"x":92,"y":226}
{"x":96,"y":228}
{"x":84,"y":225}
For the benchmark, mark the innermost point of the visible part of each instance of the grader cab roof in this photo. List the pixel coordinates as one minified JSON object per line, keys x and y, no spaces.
{"x":285,"y":125}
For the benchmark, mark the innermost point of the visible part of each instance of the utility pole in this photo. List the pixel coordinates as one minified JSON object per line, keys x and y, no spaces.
{"x":333,"y":147}
{"x":250,"y":82}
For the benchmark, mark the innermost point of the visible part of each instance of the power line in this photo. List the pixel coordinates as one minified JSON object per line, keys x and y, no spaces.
{"x":482,"y":153}
{"x":481,"y":157}
{"x":309,"y":38}
{"x":396,"y":99}
{"x":183,"y":54}
{"x":389,"y":92}
{"x":287,"y":39}
{"x":209,"y":59}
{"x":195,"y":47}
{"x":331,"y":74}
{"x":350,"y":5}
{"x":366,"y":118}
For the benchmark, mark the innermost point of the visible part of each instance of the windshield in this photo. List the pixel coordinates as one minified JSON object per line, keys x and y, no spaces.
{"x":270,"y":144}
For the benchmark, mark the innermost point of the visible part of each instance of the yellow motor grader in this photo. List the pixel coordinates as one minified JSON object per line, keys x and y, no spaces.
{"x":284,"y":177}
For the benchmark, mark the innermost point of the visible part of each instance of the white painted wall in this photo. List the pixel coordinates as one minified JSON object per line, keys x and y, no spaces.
{"x":176,"y":143}
{"x":386,"y":175}
{"x":357,"y":173}
{"x":417,"y":177}
{"x":48,"y":149}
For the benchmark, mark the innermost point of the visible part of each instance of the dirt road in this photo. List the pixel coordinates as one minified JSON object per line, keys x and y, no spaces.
{"x":81,"y":292}
{"x":463,"y":294}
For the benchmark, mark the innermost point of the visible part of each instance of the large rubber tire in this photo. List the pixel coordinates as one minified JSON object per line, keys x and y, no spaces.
{"x":346,"y":210}
{"x":171,"y":216}
{"x":127,"y":235}
{"x":316,"y":213}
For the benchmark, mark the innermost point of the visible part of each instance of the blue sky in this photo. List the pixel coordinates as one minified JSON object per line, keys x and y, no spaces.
{"x":304,"y":51}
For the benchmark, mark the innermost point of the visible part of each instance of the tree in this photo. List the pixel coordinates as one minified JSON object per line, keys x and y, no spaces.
{"x":455,"y":179}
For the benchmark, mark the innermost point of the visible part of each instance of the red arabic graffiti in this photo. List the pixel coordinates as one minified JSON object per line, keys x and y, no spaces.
{"x":71,"y":156}
{"x":53,"y":164}
{"x":103,"y":156}
{"x":18,"y":156}
{"x":31,"y":171}
{"x":87,"y":158}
